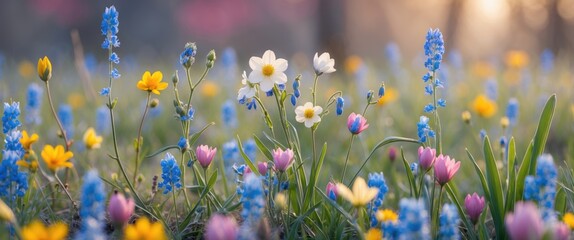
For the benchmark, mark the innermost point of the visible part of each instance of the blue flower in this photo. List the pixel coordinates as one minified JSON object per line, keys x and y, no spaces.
{"x":393,"y":55}
{"x":491,"y":89}
{"x":67,"y":119}
{"x":512,"y":111}
{"x":250,"y":149}
{"x":414,"y":220}
{"x":547,"y":61}
{"x":424,"y":129}
{"x":449,"y":221}
{"x":546,"y":178}
{"x":186,"y":58}
{"x":103,"y":120}
{"x":34,"y":97}
{"x":188,"y":116}
{"x":110,"y":28}
{"x":377,"y":180}
{"x":253,"y":200}
{"x":434,"y":49}
{"x":340,"y":105}
{"x":93,"y":197}
{"x":230,"y":152}
{"x":92,"y":229}
{"x":252,"y":105}
{"x":13,"y":183}
{"x":382,"y":90}
{"x":482,"y":134}
{"x":115,"y":74}
{"x":503,"y":141}
{"x":415,"y":168}
{"x":228,"y":57}
{"x":296,"y":91}
{"x":530,"y":189}
{"x":229,"y":114}
{"x":429,"y":89}
{"x":293,"y":100}
{"x":170,"y":174}
{"x":114,"y":58}
{"x":429,"y":108}
{"x":441,"y":102}
{"x":183,"y":143}
{"x":105,"y":92}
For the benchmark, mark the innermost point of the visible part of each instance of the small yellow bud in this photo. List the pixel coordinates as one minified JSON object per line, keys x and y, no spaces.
{"x":281,"y":201}
{"x":6,"y":213}
{"x":466,"y":117}
{"x":504,"y":122}
{"x":114,"y":176}
{"x":154,"y":103}
{"x":44,"y":69}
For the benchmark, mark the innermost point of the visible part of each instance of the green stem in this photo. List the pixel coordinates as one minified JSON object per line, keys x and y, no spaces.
{"x":436,"y":210}
{"x":66,"y":191}
{"x":175,"y":205}
{"x":314,"y":89}
{"x":347,"y":157}
{"x":182,"y":167}
{"x":138,"y":140}
{"x":64,"y":134}
{"x":436,"y":117}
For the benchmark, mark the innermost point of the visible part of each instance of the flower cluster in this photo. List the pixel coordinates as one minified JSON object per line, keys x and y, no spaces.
{"x":424,"y":130}
{"x":170,"y":174}
{"x":542,"y":187}
{"x":92,"y":207}
{"x":33,"y":104}
{"x":253,"y":200}
{"x":449,"y":221}
{"x":414,"y":220}
{"x":377,"y":180}
{"x":110,"y":28}
{"x":13,"y":182}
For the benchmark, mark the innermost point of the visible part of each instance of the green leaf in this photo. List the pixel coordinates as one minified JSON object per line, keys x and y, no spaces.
{"x":246,"y":158}
{"x":480,"y":175}
{"x":315,"y":172}
{"x":351,"y":220}
{"x":413,"y":186}
{"x":206,"y":190}
{"x":262,"y":148}
{"x":495,"y":188}
{"x":385,"y":141}
{"x":542,"y":132}
{"x":523,"y":172}
{"x":511,"y":171}
{"x":196,"y":135}
{"x":560,"y":205}
{"x":162,"y":150}
{"x":453,"y":196}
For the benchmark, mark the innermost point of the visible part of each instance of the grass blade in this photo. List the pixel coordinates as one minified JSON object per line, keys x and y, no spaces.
{"x":496,"y":200}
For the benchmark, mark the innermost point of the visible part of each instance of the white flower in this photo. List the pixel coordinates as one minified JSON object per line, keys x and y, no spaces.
{"x":323,"y":63}
{"x":247,"y":91}
{"x":308,"y":114}
{"x":267,"y":71}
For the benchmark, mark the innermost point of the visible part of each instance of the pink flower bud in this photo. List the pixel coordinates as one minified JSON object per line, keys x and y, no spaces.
{"x":205,"y":155}
{"x":262,"y":167}
{"x":332,"y":191}
{"x":474,"y":205}
{"x":120,"y":209}
{"x":220,"y":227}
{"x":427,"y":157}
{"x":525,"y":222}
{"x":282,"y":159}
{"x":561,"y":231}
{"x":444,"y":169}
{"x":392,"y":154}
{"x":356,"y":123}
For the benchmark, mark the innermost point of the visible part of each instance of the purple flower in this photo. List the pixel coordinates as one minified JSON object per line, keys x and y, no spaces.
{"x":120,"y":208}
{"x":282,"y":159}
{"x":525,"y":222}
{"x":205,"y":155}
{"x":474,"y":205}
{"x":427,"y":157}
{"x":220,"y":227}
{"x":445,"y":168}
{"x":262,"y":167}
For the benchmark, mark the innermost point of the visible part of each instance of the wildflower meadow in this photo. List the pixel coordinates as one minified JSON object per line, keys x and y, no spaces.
{"x":213,"y":145}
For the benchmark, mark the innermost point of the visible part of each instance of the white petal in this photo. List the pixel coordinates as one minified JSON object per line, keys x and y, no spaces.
{"x":268,"y":57}
{"x":315,"y":118}
{"x":299,"y":118}
{"x":316,"y":62}
{"x":299,"y":110}
{"x":255,"y":63}
{"x":308,"y":105}
{"x":279,"y":78}
{"x":255,"y":77}
{"x":280,"y":65}
{"x":266,"y":84}
{"x":309,"y":123}
{"x":318,"y":110}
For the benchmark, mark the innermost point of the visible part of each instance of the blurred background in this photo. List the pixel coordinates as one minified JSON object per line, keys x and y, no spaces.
{"x":479,"y":29}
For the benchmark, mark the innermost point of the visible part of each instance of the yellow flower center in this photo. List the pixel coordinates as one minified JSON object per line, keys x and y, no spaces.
{"x":268,"y":70}
{"x":309,"y":113}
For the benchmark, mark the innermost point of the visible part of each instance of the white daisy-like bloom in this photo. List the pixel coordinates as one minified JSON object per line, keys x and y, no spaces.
{"x":308,"y":114}
{"x":267,"y":70}
{"x":248,"y":90}
{"x":323,"y":63}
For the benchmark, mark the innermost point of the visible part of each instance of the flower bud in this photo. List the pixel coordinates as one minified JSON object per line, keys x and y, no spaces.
{"x":504,"y":122}
{"x":262,"y":167}
{"x":332,"y":191}
{"x":220,"y":227}
{"x":211,"y":56}
{"x":466,"y":117}
{"x":474,"y":206}
{"x":154,"y":103}
{"x":205,"y":155}
{"x":426,"y":157}
{"x":392,"y":154}
{"x":44,"y":69}
{"x":120,"y":209}
{"x":175,"y":78}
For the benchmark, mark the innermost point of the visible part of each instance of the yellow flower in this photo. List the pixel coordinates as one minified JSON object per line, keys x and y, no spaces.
{"x":391,"y":95}
{"x":37,"y":231}
{"x":26,"y":69}
{"x":91,"y":139}
{"x":152,"y":83}
{"x":209,"y":89}
{"x":516,"y":59}
{"x":30,"y":161}
{"x":6,"y":213}
{"x":387,"y":215}
{"x":56,"y":157}
{"x":352,"y":64}
{"x":466,"y":117}
{"x":374,"y":234}
{"x":504,"y":122}
{"x":568,"y":219}
{"x":143,"y":229}
{"x":483,"y":69}
{"x":76,"y":100}
{"x":27,"y":140}
{"x":361,"y":194}
{"x":281,"y":200}
{"x":484,"y":107}
{"x":44,"y":69}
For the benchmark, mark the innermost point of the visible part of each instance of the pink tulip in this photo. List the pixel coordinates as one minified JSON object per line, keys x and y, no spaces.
{"x":120,"y":209}
{"x":282,"y":159}
{"x":525,"y":222}
{"x":392,"y":153}
{"x":332,"y":191}
{"x":220,"y":227}
{"x":474,"y":205}
{"x":444,"y":169}
{"x":561,"y":231}
{"x":427,"y":157}
{"x":262,"y":167}
{"x":246,"y":171}
{"x":356,"y":123}
{"x":205,"y":155}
